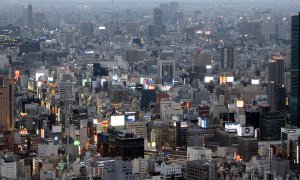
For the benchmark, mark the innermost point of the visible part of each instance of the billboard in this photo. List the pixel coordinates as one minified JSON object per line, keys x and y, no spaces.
{"x":208,"y":79}
{"x":38,"y":75}
{"x":230,"y":79}
{"x":117,"y":120}
{"x":255,"y":81}
{"x":239,"y":103}
{"x":17,"y":74}
{"x":245,"y":131}
{"x":232,"y":126}
{"x":130,"y":117}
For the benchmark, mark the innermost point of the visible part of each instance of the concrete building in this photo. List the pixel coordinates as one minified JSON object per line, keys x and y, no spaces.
{"x":201,"y":170}
{"x":7,"y":121}
{"x":8,"y":168}
{"x":48,"y":148}
{"x":166,"y":71}
{"x":170,"y":170}
{"x":247,"y":147}
{"x":199,"y":153}
{"x":227,"y":57}
{"x":140,"y":167}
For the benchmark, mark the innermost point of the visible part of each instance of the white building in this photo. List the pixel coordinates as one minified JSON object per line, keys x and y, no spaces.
{"x":168,"y":109}
{"x":8,"y":169}
{"x":140,"y":166}
{"x":258,"y":164}
{"x":198,"y":153}
{"x":49,"y":148}
{"x":170,"y":169}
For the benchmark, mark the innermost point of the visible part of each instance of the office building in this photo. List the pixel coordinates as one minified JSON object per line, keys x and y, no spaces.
{"x":280,"y":167}
{"x":8,"y":168}
{"x":177,"y":134}
{"x":129,"y":148}
{"x":86,"y":29}
{"x":147,"y":97}
{"x":295,"y":72}
{"x":29,"y":16}
{"x":276,"y":89}
{"x":120,"y":143}
{"x":201,"y":170}
{"x":276,"y":69}
{"x":197,"y":135}
{"x":253,"y":118}
{"x":165,"y":12}
{"x":7,"y":104}
{"x":174,"y":8}
{"x":170,"y":171}
{"x":66,"y":38}
{"x":140,"y":167}
{"x":199,"y":153}
{"x":227,"y":57}
{"x":166,"y":71}
{"x":29,"y":47}
{"x":247,"y":147}
{"x":157,"y":29}
{"x":115,"y":169}
{"x":271,"y":124}
{"x":290,"y":140}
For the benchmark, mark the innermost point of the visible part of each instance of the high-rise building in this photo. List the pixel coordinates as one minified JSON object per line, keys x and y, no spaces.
{"x":271,"y":124}
{"x":174,"y":8}
{"x":158,"y":27}
{"x":295,"y":72}
{"x":166,"y":71}
{"x":86,"y":29}
{"x":276,"y":88}
{"x":165,"y":12}
{"x":276,"y":69}
{"x":29,"y":16}
{"x":227,"y":57}
{"x":201,"y":169}
{"x":6,"y":105}
{"x":177,"y":134}
{"x":247,"y":147}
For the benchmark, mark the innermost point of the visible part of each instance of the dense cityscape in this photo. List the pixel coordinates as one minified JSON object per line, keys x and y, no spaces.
{"x":152,"y":90}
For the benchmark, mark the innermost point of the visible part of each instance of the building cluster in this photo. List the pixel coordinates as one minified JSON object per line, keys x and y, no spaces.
{"x":150,"y":94}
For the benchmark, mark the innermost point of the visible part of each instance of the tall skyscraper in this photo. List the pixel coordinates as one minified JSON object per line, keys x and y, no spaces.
{"x":29,"y":16}
{"x":174,"y":8}
{"x":227,"y":57}
{"x":157,"y":28}
{"x":7,"y":121}
{"x":276,"y":87}
{"x":276,"y":69}
{"x":295,"y":72}
{"x":165,"y":12}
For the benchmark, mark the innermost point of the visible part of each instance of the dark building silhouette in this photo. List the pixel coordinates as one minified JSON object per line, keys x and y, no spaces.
{"x":29,"y":46}
{"x":295,"y":72}
{"x":271,"y":124}
{"x":29,"y":16}
{"x":276,"y":87}
{"x":147,"y":96}
{"x":99,"y":71}
{"x":253,"y":119}
{"x":247,"y":147}
{"x":227,"y":57}
{"x":201,"y":170}
{"x":120,"y":143}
